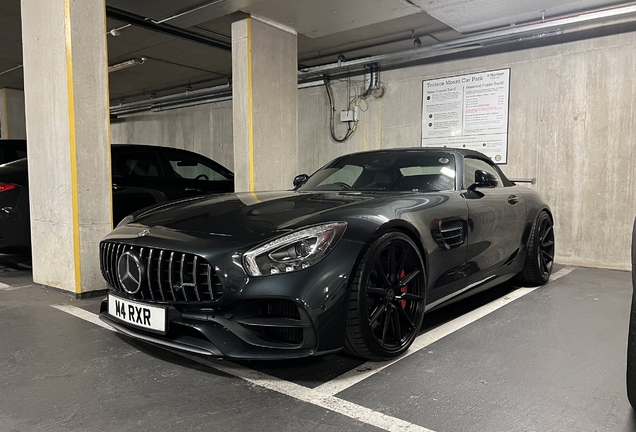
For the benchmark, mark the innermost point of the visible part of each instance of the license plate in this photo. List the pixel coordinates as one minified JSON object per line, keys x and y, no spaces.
{"x":137,"y":314}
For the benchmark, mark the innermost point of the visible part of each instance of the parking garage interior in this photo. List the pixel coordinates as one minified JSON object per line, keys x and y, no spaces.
{"x":271,"y":89}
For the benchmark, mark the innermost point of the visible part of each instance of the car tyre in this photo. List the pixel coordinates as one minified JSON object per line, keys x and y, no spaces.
{"x":540,"y":255}
{"x":386,"y":303}
{"x":631,"y":356}
{"x":631,"y":338}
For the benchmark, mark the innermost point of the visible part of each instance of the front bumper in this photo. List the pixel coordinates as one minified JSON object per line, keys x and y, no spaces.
{"x":227,"y":335}
{"x":281,"y":316}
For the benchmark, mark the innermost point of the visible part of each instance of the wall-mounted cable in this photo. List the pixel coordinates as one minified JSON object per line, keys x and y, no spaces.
{"x":332,"y":111}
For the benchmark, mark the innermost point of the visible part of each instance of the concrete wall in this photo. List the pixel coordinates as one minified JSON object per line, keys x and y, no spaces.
{"x":12,"y":118}
{"x":572,"y":126}
{"x":205,"y":129}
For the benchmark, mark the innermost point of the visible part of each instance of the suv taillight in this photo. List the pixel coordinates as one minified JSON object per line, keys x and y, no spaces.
{"x":7,"y":186}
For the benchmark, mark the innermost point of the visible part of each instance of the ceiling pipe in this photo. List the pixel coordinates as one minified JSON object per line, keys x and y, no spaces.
{"x":363,"y":45}
{"x":147,"y":104}
{"x":11,"y":70}
{"x":117,"y":31}
{"x":315,"y":75}
{"x":166,"y":107}
{"x":553,"y":27}
{"x":187,"y":12}
{"x":170,"y":102}
{"x":148,"y":24}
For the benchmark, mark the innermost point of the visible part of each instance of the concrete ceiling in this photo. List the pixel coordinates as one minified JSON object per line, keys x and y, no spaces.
{"x":326,"y":28}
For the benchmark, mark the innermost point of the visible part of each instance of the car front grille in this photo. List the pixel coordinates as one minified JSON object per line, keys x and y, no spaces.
{"x":170,"y":276}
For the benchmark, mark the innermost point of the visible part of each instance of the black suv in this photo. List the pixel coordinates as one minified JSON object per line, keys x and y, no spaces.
{"x":143,"y":175}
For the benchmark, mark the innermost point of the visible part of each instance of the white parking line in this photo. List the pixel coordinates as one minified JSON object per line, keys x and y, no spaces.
{"x":83,"y":314}
{"x":324,"y":395}
{"x":5,"y":287}
{"x":303,"y":394}
{"x":368,"y":369}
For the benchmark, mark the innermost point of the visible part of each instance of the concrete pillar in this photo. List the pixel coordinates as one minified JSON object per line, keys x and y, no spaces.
{"x":265,"y":105}
{"x":12,"y":121}
{"x":66,"y":89}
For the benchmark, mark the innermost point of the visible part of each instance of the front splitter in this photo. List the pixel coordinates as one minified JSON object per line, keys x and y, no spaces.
{"x":184,"y":344}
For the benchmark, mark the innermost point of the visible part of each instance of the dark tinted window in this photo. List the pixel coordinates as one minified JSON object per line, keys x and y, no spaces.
{"x":390,"y":171}
{"x":137,"y":164}
{"x":472,"y":164}
{"x":11,"y":150}
{"x":191,"y":167}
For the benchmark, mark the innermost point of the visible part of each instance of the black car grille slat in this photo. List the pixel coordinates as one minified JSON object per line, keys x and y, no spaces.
{"x":141,"y":256}
{"x":208,"y":276}
{"x":170,"y":283}
{"x":284,"y":334}
{"x":111,"y":265}
{"x":283,"y":309}
{"x":194,"y":277}
{"x":159,"y":276}
{"x":149,"y":274}
{"x":170,"y":276}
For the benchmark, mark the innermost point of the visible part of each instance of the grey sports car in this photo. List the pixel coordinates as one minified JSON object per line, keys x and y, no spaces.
{"x":351,"y":258}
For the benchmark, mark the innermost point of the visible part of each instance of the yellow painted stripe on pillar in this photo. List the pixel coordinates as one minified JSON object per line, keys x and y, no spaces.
{"x":250,"y":107}
{"x":73,"y":144}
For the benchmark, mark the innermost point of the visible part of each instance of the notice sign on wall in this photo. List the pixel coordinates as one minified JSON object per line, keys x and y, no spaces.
{"x":468,"y":111}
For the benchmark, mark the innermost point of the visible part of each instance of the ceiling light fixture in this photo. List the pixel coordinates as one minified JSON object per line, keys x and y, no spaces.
{"x":126,"y":64}
{"x":117,"y":31}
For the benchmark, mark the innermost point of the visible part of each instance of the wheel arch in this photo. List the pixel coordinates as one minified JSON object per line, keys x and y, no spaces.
{"x":400,"y":225}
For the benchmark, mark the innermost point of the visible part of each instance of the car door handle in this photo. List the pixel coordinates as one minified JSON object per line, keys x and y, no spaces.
{"x":116,"y":187}
{"x":189,"y":189}
{"x":512,"y":199}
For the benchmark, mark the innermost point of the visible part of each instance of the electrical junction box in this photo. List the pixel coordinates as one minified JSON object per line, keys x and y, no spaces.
{"x":350,"y":115}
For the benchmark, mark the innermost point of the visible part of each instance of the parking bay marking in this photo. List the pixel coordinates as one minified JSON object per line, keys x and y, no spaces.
{"x":324,"y":395}
{"x":6,"y":287}
{"x":305,"y":394}
{"x":287,"y":388}
{"x":368,"y":369}
{"x":83,"y":314}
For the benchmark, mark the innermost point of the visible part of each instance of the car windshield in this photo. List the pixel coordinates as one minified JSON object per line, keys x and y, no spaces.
{"x":386,"y":171}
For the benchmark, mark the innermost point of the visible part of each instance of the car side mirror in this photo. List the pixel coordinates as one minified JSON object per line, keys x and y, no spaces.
{"x":484,"y":179}
{"x":300,"y":180}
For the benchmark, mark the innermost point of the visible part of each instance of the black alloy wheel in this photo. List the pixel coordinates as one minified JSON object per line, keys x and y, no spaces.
{"x":545,"y":255}
{"x":540,"y":255}
{"x":386,"y":306}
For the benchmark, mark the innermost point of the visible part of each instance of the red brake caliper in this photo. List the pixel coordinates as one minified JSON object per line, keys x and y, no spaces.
{"x":403,"y":290}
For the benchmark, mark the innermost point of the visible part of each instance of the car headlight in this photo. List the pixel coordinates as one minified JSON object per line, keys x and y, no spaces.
{"x":128,"y":219}
{"x":295,"y":251}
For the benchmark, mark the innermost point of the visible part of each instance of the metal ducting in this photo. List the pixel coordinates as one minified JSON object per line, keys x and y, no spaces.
{"x":315,"y":75}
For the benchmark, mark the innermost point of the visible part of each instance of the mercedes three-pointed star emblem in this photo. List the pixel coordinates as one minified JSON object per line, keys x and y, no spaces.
{"x":130,"y":272}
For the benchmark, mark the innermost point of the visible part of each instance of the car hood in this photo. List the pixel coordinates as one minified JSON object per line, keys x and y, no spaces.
{"x":263,"y":214}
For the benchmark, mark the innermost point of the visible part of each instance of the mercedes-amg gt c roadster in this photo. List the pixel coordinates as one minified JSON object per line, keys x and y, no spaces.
{"x":351,"y":258}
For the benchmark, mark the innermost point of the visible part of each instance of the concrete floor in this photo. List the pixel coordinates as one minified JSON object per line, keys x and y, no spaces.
{"x":550,"y":359}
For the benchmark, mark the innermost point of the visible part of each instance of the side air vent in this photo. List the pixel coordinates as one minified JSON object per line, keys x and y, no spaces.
{"x":450,"y":234}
